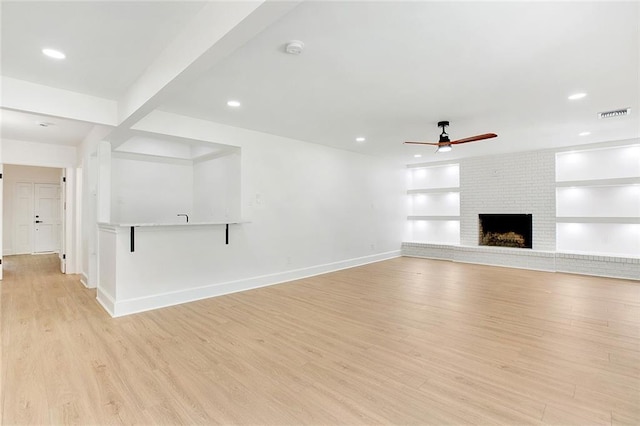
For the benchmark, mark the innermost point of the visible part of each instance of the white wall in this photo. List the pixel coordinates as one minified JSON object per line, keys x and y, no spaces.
{"x":602,"y":201}
{"x":308,"y":207}
{"x":603,"y":163}
{"x":216,"y":189}
{"x":38,"y":154}
{"x":12,"y":175}
{"x":144,"y":191}
{"x":598,"y":200}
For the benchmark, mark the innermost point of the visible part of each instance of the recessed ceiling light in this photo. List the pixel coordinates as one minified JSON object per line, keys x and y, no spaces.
{"x":584,"y":133}
{"x":417,"y":155}
{"x":234,"y":104}
{"x":360,"y":139}
{"x":55,"y":54}
{"x":577,"y":96}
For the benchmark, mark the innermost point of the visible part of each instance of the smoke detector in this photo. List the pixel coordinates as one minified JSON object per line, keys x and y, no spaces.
{"x":294,"y":47}
{"x":614,"y":113}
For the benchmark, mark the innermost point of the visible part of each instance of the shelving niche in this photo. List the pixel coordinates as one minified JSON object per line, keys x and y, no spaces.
{"x":434,"y":203}
{"x":598,"y":201}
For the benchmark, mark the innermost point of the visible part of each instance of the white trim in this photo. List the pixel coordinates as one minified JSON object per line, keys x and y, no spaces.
{"x":141,"y":304}
{"x":216,"y":154}
{"x":597,"y":219}
{"x":456,"y":218}
{"x":106,"y":301}
{"x":599,"y":182}
{"x":434,"y":190}
{"x":429,"y":164}
{"x":136,"y":156}
{"x":84,"y":279}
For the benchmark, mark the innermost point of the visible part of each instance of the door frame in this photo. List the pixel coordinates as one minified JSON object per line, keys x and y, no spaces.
{"x":70,"y":239}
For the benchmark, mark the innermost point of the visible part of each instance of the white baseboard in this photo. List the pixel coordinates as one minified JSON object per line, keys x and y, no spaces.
{"x":84,"y":279}
{"x":106,"y":301}
{"x":126,"y":307}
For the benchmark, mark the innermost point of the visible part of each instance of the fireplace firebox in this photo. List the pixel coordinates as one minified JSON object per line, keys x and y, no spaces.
{"x":505,"y":230}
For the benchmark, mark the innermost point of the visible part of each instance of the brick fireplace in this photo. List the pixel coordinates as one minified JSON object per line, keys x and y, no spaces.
{"x":505,"y":230}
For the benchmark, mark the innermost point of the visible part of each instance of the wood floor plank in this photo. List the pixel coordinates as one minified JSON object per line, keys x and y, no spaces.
{"x":404,"y":341}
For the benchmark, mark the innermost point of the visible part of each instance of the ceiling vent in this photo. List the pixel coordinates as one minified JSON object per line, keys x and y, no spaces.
{"x":614,"y":113}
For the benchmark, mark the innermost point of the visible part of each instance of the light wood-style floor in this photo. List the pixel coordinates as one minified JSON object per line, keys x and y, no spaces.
{"x":404,"y":341}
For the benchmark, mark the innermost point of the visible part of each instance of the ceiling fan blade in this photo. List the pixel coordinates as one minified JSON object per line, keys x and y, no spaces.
{"x":424,"y":143}
{"x":475,"y":138}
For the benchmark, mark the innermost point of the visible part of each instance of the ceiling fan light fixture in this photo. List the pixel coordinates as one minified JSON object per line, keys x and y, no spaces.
{"x":443,"y":148}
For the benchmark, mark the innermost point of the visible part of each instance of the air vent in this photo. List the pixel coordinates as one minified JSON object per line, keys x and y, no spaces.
{"x":614,"y":113}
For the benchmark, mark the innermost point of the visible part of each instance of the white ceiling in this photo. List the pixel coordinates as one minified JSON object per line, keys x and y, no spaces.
{"x":108,"y":43}
{"x":388,"y":71}
{"x":41,"y":128}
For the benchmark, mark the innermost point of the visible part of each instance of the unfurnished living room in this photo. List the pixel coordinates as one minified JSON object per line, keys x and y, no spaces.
{"x":320,"y":212}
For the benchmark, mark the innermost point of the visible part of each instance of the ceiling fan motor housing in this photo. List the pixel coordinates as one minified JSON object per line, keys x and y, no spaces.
{"x":444,"y":137}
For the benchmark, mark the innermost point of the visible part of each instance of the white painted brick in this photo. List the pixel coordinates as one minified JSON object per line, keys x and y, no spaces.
{"x":511,"y":183}
{"x":517,"y":183}
{"x":616,"y":267}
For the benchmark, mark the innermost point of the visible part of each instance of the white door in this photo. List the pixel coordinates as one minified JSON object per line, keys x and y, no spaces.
{"x":23,"y":218}
{"x":47,"y":221}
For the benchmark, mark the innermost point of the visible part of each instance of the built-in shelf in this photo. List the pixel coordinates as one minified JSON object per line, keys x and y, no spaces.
{"x":598,"y":219}
{"x":433,"y":217}
{"x":434,"y":203}
{"x":600,"y":182}
{"x":598,"y":201}
{"x":434,"y":190}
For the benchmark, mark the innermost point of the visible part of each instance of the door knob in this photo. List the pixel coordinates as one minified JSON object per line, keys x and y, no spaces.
{"x":38,"y":221}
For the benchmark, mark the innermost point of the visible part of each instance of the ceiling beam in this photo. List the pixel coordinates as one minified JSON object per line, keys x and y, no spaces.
{"x":218,"y":30}
{"x":25,"y":96}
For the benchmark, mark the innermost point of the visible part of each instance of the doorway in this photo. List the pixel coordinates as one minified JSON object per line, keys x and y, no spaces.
{"x":33,"y":207}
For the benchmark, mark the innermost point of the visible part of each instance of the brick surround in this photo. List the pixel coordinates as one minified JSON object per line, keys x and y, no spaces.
{"x":517,"y":183}
{"x":512,"y":183}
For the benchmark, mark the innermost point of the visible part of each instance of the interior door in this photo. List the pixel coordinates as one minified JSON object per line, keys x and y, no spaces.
{"x":47,"y":220}
{"x":23,"y":218}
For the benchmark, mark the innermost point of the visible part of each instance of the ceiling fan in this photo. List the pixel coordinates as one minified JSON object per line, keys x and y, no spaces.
{"x":444,"y":144}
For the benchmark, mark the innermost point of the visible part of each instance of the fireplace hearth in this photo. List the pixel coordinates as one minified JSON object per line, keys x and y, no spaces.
{"x":505,"y":230}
